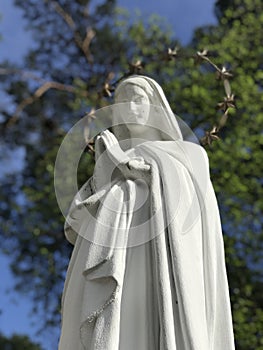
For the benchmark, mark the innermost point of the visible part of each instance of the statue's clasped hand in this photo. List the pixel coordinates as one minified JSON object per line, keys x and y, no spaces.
{"x":131,"y":168}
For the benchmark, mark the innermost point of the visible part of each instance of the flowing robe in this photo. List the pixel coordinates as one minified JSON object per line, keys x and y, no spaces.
{"x":170,"y":292}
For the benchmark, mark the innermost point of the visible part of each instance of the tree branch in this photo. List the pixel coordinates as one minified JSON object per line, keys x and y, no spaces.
{"x":37,"y":94}
{"x":23,"y":73}
{"x":134,"y":68}
{"x":82,"y":44}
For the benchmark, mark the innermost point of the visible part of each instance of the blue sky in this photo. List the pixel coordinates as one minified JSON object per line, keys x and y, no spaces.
{"x":183,"y":16}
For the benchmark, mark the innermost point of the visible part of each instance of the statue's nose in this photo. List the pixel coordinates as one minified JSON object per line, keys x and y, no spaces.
{"x":132,"y":105}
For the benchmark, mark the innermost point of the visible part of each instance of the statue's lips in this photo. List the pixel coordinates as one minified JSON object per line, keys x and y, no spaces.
{"x":136,"y":118}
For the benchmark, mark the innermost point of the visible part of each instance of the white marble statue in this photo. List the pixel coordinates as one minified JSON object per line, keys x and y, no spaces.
{"x":148,"y":269}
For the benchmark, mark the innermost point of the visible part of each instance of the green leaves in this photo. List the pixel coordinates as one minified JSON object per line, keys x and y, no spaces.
{"x":33,"y":228}
{"x":17,"y":342}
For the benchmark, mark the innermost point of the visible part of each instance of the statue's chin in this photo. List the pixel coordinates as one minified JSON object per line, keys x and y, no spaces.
{"x":137,"y":128}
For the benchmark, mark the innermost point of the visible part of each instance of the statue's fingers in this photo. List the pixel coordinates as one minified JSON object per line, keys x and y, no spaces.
{"x":112,"y":136}
{"x":111,"y":139}
{"x":144,"y":168}
{"x":139,"y":159}
{"x":139,"y":166}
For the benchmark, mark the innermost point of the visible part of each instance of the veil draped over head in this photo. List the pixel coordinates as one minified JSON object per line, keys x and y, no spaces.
{"x":161,"y":115}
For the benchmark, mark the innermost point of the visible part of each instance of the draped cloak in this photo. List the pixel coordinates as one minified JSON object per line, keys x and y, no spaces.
{"x":171,"y":291}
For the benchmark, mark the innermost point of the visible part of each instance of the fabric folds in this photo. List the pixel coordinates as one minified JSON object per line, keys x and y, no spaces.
{"x":176,"y":270}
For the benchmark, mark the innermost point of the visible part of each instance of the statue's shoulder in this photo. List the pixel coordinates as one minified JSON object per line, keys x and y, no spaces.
{"x":194,"y":151}
{"x":178,"y":145}
{"x":184,"y":151}
{"x":191,"y":146}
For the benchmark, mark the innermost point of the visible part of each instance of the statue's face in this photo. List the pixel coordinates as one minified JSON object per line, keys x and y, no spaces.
{"x":136,"y":108}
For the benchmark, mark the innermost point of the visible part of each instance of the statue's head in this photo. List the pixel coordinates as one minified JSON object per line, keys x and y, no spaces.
{"x":133,"y":97}
{"x":139,"y":81}
{"x":141,"y":104}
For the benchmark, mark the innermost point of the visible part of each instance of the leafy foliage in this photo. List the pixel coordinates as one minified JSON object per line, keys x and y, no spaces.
{"x":236,"y":165}
{"x":17,"y":342}
{"x":33,"y":228}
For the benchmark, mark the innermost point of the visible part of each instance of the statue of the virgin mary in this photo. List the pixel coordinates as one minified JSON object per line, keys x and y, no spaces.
{"x":148,"y":270}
